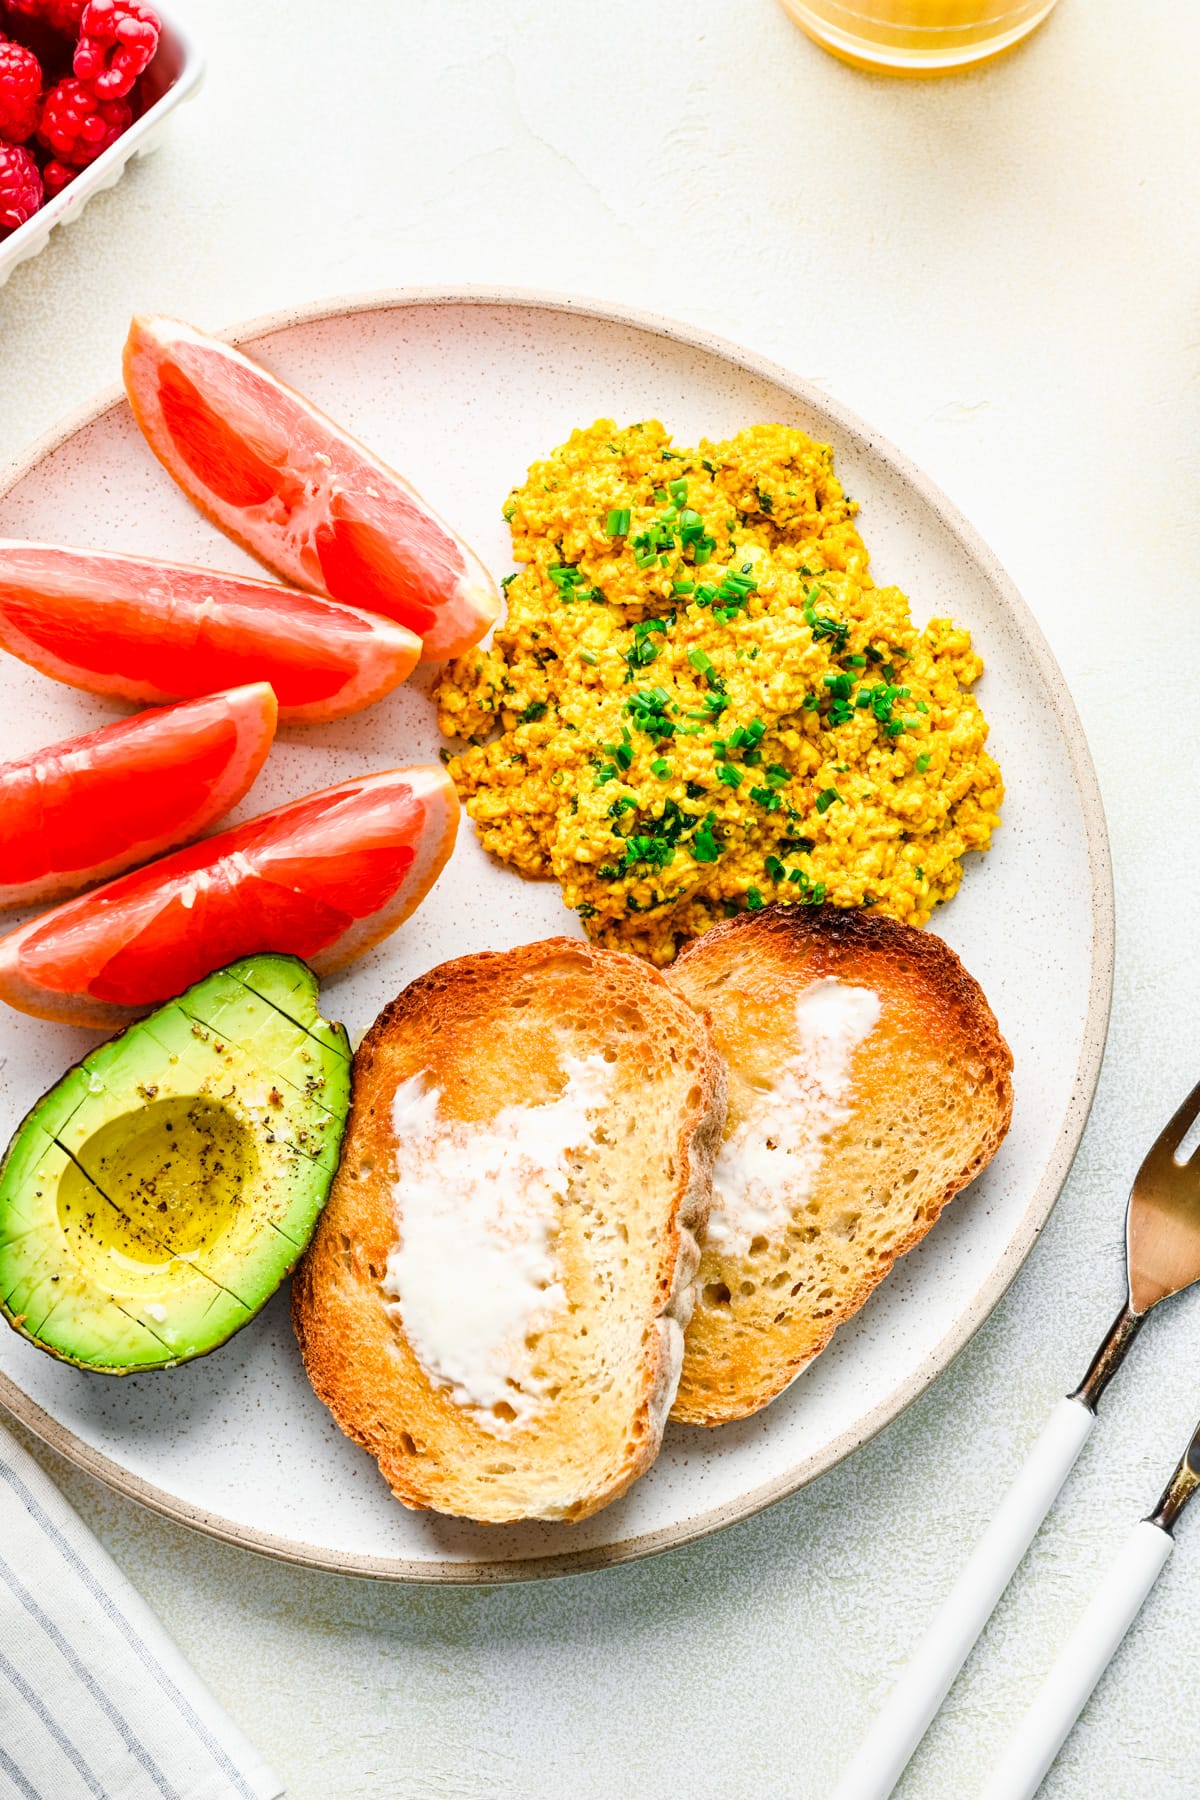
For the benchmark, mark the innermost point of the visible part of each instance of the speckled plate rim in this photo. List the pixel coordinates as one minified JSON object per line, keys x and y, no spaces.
{"x":1087,"y":1072}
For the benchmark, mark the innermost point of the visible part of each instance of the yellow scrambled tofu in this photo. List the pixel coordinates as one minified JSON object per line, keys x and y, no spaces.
{"x":700,"y":702}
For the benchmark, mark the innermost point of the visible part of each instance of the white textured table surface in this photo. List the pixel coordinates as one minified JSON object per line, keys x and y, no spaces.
{"x":1003,"y":273}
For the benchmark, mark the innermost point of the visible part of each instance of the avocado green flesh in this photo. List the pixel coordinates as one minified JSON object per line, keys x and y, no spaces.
{"x":153,"y":1201}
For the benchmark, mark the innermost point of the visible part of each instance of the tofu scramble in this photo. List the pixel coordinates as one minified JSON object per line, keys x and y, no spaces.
{"x":699,"y":701}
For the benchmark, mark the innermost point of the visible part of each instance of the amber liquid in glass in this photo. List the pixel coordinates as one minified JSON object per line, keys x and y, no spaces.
{"x":918,"y":37}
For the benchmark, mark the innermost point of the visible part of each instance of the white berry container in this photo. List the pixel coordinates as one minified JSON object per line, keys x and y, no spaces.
{"x":172,"y":78}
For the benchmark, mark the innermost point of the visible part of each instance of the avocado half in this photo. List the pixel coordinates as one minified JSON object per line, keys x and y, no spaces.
{"x":152,"y":1202}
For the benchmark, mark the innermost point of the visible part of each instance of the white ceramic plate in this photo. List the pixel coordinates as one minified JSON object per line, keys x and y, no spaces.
{"x":461,"y":391}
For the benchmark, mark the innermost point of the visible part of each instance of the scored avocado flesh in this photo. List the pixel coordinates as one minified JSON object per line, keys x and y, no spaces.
{"x":156,"y":1197}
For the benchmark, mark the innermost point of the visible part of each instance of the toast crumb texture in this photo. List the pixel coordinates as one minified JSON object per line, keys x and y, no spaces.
{"x":928,"y":1099}
{"x":491,"y":1032}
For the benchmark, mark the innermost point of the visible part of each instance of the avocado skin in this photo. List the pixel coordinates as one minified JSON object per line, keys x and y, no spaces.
{"x":156,"y":1197}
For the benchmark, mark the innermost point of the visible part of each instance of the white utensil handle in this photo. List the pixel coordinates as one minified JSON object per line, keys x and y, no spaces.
{"x":1087,"y":1653}
{"x":895,"y":1733}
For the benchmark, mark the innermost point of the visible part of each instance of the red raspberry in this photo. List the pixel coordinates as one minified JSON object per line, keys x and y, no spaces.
{"x":20,"y":186}
{"x":55,"y":177}
{"x":64,"y":15}
{"x":117,"y":41}
{"x":20,"y":92}
{"x":77,"y":126}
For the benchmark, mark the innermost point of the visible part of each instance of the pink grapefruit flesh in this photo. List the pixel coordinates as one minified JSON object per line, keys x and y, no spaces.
{"x":297,"y":491}
{"x":323,"y":878}
{"x":151,"y":631}
{"x":87,"y":809}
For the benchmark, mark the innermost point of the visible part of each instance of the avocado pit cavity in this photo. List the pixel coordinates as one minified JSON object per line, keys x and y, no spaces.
{"x":152,"y":1202}
{"x":155,"y":1187}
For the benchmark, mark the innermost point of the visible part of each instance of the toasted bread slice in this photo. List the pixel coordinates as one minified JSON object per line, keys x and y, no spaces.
{"x":868,"y":1083}
{"x":495,"y":1299}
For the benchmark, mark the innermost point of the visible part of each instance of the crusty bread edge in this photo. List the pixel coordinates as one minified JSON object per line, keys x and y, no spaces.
{"x":698,"y":1146}
{"x":944,"y":968}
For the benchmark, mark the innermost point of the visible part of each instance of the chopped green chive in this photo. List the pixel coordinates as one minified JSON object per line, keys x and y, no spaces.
{"x":731,"y":776}
{"x":822,"y":626}
{"x":754,"y":899}
{"x":923,"y":762}
{"x":749,"y":735}
{"x":648,"y":709}
{"x":643,"y":651}
{"x":811,"y":893}
{"x":618,"y":522}
{"x":703,"y":665}
{"x":693,"y":538}
{"x":829,"y":798}
{"x":622,"y":753}
{"x":660,"y":766}
{"x":705,"y":847}
{"x":656,"y":851}
{"x":537,"y":709}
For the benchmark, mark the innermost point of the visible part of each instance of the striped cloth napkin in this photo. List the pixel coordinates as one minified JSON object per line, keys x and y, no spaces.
{"x":96,"y":1702}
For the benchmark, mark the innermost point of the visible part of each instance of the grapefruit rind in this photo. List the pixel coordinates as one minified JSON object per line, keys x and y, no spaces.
{"x":302,"y":495}
{"x":251,"y":709}
{"x":185,"y":631}
{"x":426,"y":806}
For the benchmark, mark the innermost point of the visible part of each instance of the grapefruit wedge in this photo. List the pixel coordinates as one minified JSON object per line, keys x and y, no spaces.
{"x":143,"y":630}
{"x":324,"y":879}
{"x":86,"y":809}
{"x":297,"y":491}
